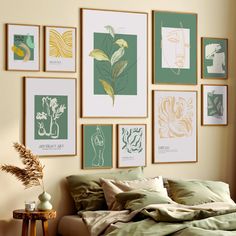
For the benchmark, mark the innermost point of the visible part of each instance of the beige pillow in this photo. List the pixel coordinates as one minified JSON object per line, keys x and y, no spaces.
{"x":112,"y":187}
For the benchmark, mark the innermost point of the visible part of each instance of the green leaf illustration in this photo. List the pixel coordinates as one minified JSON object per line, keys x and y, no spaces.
{"x":117,"y":55}
{"x":110,"y":30}
{"x":122,"y":43}
{"x":99,"y":55}
{"x":108,"y":89}
{"x":29,"y":42}
{"x":215,"y":104}
{"x":119,"y":67}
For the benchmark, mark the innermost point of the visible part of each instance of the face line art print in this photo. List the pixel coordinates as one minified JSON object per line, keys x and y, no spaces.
{"x":213,"y":53}
{"x":47,"y":119}
{"x":132,"y":140}
{"x":176,"y":39}
{"x":112,"y":64}
{"x":175,"y":116}
{"x":98,"y":144}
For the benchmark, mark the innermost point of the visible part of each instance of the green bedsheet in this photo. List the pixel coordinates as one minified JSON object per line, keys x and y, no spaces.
{"x":165,"y":219}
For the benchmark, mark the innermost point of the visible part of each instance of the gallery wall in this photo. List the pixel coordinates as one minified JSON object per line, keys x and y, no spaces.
{"x":216,"y":145}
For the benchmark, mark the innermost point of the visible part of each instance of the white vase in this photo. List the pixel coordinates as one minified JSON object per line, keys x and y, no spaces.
{"x":44,"y":204}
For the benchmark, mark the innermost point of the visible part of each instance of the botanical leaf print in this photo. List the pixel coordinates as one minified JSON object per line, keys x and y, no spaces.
{"x":99,"y":55}
{"x":118,"y":68}
{"x":110,"y":30}
{"x":117,"y":55}
{"x":122,"y":43}
{"x":108,"y":88}
{"x":215,"y":104}
{"x":175,"y":116}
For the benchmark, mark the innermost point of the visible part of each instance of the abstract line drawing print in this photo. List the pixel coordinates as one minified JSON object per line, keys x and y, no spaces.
{"x":175,"y":117}
{"x":23,"y":47}
{"x":215,"y":105}
{"x":98,"y":144}
{"x":47,"y":120}
{"x":111,"y":62}
{"x":132,"y":140}
{"x":175,"y":45}
{"x":60,"y":44}
{"x":214,"y":53}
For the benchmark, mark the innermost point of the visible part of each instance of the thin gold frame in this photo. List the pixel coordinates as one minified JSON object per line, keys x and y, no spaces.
{"x":202,"y":104}
{"x":82,"y":145}
{"x":118,"y":142}
{"x":24,"y":111}
{"x":45,"y":53}
{"x":153,"y":127}
{"x":7,"y":48}
{"x":81,"y":64}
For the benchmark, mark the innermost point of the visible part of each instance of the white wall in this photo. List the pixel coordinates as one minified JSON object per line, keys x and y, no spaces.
{"x":216,"y":145}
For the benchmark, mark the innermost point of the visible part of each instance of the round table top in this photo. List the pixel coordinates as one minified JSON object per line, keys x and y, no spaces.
{"x":34,"y":215}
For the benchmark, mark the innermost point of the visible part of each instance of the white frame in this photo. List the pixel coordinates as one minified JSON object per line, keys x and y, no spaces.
{"x":20,"y":65}
{"x":59,"y":64}
{"x":214,"y":120}
{"x":174,"y":144}
{"x":126,"y":23}
{"x":50,"y":86}
{"x":129,"y":159}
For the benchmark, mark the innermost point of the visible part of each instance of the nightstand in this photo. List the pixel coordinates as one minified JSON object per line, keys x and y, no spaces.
{"x":32,"y":216}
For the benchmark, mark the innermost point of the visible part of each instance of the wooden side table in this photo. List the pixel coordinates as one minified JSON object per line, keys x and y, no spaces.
{"x":32,"y":216}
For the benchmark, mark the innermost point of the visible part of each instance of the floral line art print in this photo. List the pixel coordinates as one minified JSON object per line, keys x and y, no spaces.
{"x":132,"y":140}
{"x":175,"y":117}
{"x":51,"y":117}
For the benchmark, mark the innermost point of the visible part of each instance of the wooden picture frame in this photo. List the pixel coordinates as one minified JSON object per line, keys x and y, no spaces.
{"x":22,"y":47}
{"x":131,"y":145}
{"x":175,"y":126}
{"x":214,"y":105}
{"x":97,"y":146}
{"x":214,"y":58}
{"x":174,"y":39}
{"x":60,"y":49}
{"x":50,"y":119}
{"x":115,"y":79}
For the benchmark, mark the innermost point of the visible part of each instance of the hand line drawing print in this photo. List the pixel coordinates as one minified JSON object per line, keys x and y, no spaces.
{"x":132,"y":140}
{"x":98,"y":144}
{"x":47,"y":118}
{"x":175,"y":48}
{"x":175,"y":116}
{"x":213,"y":53}
{"x":60,"y":44}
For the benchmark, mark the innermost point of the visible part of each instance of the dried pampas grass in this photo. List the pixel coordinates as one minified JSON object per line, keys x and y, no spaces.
{"x":32,"y":174}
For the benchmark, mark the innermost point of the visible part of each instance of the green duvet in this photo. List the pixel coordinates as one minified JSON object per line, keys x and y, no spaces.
{"x":165,"y":219}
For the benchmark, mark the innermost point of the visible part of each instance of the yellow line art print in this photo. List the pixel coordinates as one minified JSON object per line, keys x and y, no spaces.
{"x":60,"y":45}
{"x":175,"y":116}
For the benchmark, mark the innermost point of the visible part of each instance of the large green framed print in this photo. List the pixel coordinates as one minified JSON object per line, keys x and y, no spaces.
{"x":50,"y":116}
{"x":114,"y":63}
{"x":97,"y":146}
{"x":214,"y":58}
{"x":174,"y":48}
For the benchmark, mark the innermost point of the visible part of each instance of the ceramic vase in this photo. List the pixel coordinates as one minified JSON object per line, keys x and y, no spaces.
{"x":44,"y":204}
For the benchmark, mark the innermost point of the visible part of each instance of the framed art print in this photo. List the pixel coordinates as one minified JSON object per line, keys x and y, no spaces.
{"x":50,"y":116}
{"x":97,"y":146}
{"x":60,"y":48}
{"x":22,"y":42}
{"x":175,"y":126}
{"x":214,"y":104}
{"x":214,"y":58}
{"x":114,"y":63}
{"x":131,"y":142}
{"x":175,"y":47}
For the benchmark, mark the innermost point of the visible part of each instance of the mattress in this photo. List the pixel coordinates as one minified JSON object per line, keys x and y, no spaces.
{"x":72,"y":225}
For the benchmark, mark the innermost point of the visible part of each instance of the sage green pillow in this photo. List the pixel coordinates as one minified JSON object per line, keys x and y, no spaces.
{"x":136,"y":199}
{"x":194,"y":192}
{"x":87,"y":192}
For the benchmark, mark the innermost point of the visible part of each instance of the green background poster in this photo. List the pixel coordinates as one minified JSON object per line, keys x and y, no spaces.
{"x":97,"y":146}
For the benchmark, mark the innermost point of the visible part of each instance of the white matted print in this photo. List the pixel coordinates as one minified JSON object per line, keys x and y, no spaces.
{"x":131,"y":145}
{"x":175,"y":126}
{"x":60,"y":49}
{"x":22,"y":47}
{"x":214,"y":104}
{"x":50,"y":116}
{"x":114,"y":63}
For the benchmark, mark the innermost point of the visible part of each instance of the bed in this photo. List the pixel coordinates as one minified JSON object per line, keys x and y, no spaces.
{"x":126,"y":203}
